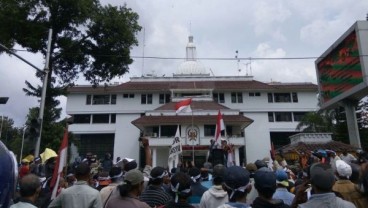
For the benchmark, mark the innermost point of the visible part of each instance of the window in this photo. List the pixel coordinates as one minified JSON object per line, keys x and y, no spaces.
{"x":236,"y":97}
{"x":168,"y":130}
{"x":254,"y":94}
{"x":219,"y":97}
{"x":112,"y":118}
{"x":127,"y":95}
{"x":146,"y":99}
{"x":209,"y":130}
{"x":298,"y":116}
{"x":100,"y":118}
{"x":82,"y":118}
{"x":270,"y":117}
{"x":282,"y":97}
{"x":294,"y":95}
{"x":164,"y":98}
{"x":283,"y":116}
{"x":270,"y":97}
{"x":101,"y":99}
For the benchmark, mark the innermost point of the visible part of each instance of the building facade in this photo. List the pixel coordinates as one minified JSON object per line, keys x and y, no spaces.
{"x":256,"y":114}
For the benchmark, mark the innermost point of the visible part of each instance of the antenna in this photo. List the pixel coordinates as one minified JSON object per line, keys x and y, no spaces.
{"x":212,"y":72}
{"x":144,"y":44}
{"x":238,"y":60}
{"x":249,"y":66}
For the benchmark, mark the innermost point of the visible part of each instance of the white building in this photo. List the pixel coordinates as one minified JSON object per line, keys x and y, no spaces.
{"x":112,"y":118}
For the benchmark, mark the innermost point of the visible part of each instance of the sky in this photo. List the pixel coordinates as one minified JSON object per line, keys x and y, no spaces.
{"x":256,"y":29}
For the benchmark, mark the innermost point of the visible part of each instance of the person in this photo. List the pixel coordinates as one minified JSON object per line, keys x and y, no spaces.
{"x":116,"y":178}
{"x":265,"y":183}
{"x":236,"y":184}
{"x":80,"y":194}
{"x":322,"y":180}
{"x":8,"y":175}
{"x":216,"y":195}
{"x":129,"y":192}
{"x":180,"y":190}
{"x":37,"y":168}
{"x":253,"y":194}
{"x":197,"y":188}
{"x":347,"y":157}
{"x":24,"y":168}
{"x":155,"y":194}
{"x":103,"y":180}
{"x":282,"y":185}
{"x":29,"y":189}
{"x":347,"y":188}
{"x":333,"y":159}
{"x":107,"y":162}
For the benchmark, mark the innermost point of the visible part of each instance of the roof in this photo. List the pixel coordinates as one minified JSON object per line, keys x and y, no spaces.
{"x":308,"y":147}
{"x":172,"y":84}
{"x":195,"y":105}
{"x":207,"y":119}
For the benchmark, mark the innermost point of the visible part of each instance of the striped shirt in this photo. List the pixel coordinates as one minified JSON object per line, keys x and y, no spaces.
{"x":155,"y":196}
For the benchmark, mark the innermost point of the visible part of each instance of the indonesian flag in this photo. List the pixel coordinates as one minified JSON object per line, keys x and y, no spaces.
{"x":175,"y":150}
{"x":183,"y":106}
{"x":60,"y":164}
{"x":220,"y":126}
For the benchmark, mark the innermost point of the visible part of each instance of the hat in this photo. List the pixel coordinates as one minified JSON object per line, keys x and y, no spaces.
{"x":134,"y":177}
{"x":115,"y":172}
{"x":265,"y":180}
{"x":130,"y":165}
{"x":343,"y":169}
{"x":282,"y":178}
{"x":236,"y":177}
{"x":158,"y":173}
{"x":260,"y":164}
{"x":322,"y":176}
{"x":251,"y":167}
{"x":25,"y":161}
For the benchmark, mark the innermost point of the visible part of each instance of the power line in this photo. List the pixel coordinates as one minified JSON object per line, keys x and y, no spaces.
{"x":211,"y":58}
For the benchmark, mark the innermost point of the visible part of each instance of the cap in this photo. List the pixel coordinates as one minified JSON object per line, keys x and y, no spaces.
{"x":265,"y":180}
{"x":130,"y":165}
{"x":236,"y":177}
{"x":282,"y":178}
{"x":25,"y":161}
{"x":260,"y":164}
{"x":322,"y":176}
{"x":251,"y":167}
{"x":343,"y":169}
{"x":134,"y":177}
{"x":158,"y":172}
{"x":115,"y":172}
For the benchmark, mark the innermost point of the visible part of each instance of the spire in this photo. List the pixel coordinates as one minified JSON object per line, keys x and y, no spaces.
{"x":191,"y":54}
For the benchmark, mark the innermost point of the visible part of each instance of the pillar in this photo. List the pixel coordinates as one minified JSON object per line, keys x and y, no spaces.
{"x":154,"y":157}
{"x":236,"y":151}
{"x":351,"y":121}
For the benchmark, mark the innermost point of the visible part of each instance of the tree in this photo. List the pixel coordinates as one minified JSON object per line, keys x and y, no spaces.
{"x":88,"y":40}
{"x":317,"y":122}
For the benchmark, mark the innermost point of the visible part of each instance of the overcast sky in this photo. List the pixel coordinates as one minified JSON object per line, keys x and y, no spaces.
{"x":256,"y":29}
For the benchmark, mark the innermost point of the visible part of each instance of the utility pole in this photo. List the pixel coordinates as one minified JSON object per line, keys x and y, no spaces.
{"x":43,"y":95}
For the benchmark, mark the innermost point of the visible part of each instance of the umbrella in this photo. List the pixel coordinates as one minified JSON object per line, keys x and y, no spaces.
{"x":47,"y":154}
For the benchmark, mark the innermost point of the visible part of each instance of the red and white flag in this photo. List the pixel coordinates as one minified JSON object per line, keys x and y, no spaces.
{"x":183,"y":106}
{"x":220,"y":126}
{"x":60,"y":164}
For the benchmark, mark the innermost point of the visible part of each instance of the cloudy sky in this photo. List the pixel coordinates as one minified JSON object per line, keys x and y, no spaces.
{"x":256,"y":29}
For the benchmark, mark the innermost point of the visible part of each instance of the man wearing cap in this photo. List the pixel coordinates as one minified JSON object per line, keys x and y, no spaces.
{"x":155,"y":195}
{"x":129,"y":190}
{"x":236,"y":184}
{"x":216,"y":195}
{"x":282,"y":185}
{"x":80,"y":194}
{"x":345,"y":187}
{"x":115,"y":177}
{"x":265,"y":183}
{"x":322,"y":179}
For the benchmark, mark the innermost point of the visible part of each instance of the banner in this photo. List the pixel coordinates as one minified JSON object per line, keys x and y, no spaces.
{"x":175,"y":150}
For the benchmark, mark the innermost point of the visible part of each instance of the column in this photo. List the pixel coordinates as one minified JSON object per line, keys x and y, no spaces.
{"x":236,"y":152}
{"x":351,"y":121}
{"x":154,"y":156}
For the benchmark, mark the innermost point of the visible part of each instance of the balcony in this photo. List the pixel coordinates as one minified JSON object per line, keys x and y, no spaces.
{"x":167,"y":141}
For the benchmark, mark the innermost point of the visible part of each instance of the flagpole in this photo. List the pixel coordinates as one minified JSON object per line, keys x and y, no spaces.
{"x":193,"y":139}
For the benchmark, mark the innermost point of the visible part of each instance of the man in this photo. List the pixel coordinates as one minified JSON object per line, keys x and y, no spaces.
{"x":197,"y":188}
{"x":322,"y":180}
{"x":116,"y":177}
{"x":253,"y":194}
{"x":30,"y":188}
{"x":282,"y":185}
{"x":347,"y":157}
{"x":236,"y":184}
{"x":347,"y":188}
{"x":180,"y":190}
{"x":37,"y":168}
{"x":155,"y":195}
{"x":80,"y":194}
{"x":265,"y":183}
{"x":216,"y":195}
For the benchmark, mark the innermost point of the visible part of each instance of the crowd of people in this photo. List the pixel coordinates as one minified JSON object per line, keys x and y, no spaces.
{"x":322,"y":179}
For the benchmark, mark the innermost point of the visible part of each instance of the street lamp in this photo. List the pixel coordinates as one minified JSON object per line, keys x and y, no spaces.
{"x":21,"y":149}
{"x":3,"y":100}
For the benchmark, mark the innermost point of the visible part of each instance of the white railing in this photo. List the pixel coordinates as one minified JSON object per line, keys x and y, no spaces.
{"x":237,"y":141}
